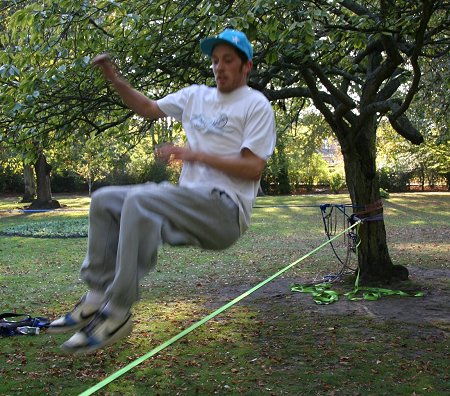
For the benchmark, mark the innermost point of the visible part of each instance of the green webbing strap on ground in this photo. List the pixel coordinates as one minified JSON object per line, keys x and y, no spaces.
{"x":153,"y":352}
{"x":375,"y":293}
{"x":320,"y":292}
{"x":322,"y":295}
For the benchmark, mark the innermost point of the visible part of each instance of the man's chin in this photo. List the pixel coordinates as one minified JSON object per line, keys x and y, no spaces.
{"x":224,"y":88}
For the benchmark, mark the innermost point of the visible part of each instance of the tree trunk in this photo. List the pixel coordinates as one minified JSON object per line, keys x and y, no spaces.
{"x":44,"y":198}
{"x":359,"y":151}
{"x":422,"y":178}
{"x":30,"y":184}
{"x":283,"y":172}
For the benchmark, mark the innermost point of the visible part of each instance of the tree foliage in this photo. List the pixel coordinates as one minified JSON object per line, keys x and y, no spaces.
{"x":346,"y":55}
{"x":356,"y":60}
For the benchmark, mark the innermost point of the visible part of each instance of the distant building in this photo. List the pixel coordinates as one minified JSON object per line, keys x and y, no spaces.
{"x":331,"y":153}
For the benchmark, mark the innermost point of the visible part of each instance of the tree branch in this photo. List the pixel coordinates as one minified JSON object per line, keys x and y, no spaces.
{"x":382,"y":72}
{"x":418,"y":45}
{"x":284,"y":93}
{"x":358,"y":9}
{"x":339,"y":95}
{"x":100,"y":28}
{"x":317,"y":98}
{"x":403,"y":126}
{"x":390,"y":87}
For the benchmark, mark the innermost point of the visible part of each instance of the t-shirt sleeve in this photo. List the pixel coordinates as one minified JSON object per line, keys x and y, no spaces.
{"x":260,"y":132}
{"x":173,"y":104}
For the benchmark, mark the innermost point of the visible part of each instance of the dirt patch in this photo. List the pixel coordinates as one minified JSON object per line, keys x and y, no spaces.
{"x":276,"y":297}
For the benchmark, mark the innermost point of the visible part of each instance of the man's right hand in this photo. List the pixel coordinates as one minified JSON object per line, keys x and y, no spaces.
{"x":103,"y":62}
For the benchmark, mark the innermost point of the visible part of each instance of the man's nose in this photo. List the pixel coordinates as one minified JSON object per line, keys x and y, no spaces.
{"x":219,"y":65}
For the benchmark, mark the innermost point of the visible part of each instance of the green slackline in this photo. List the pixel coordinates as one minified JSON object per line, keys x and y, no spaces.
{"x":164,"y":345}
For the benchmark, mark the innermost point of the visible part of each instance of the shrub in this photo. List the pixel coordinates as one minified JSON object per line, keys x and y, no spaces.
{"x":391,"y":180}
{"x":10,"y":181}
{"x":66,"y":182}
{"x":337,"y":181}
{"x":384,"y":193}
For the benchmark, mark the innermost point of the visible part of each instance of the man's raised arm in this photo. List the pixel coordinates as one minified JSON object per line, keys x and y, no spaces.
{"x":136,"y":101}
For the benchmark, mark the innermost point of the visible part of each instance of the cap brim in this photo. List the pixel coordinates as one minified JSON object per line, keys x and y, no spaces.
{"x":207,"y":45}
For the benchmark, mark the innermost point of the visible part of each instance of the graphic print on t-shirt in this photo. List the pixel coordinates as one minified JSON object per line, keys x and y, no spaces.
{"x":205,"y":125}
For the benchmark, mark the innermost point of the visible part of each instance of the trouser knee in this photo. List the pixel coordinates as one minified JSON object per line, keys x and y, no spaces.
{"x":103,"y":198}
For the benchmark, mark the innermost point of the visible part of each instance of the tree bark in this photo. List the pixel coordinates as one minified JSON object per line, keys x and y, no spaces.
{"x":359,"y":152}
{"x":30,"y":184}
{"x":44,"y":198}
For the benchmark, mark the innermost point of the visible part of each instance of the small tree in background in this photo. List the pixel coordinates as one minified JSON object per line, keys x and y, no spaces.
{"x":337,"y":181}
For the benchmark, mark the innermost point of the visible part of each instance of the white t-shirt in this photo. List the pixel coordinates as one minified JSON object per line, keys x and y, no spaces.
{"x":223,"y":124}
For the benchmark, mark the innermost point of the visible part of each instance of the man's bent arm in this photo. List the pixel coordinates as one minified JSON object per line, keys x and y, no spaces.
{"x":245,"y":166}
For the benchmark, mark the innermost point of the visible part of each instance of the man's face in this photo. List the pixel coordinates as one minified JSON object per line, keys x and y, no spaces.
{"x":229,"y":70}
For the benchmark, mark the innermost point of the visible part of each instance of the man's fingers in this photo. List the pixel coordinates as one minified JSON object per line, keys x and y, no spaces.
{"x":101,"y":59}
{"x":164,"y":151}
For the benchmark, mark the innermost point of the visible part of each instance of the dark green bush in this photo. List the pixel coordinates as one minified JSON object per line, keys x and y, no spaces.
{"x":10,"y":181}
{"x":393,"y":181}
{"x":67,"y":182}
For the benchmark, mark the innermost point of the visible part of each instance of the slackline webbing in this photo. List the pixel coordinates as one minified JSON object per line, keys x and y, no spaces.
{"x":164,"y":345}
{"x":322,"y":294}
{"x":375,"y":293}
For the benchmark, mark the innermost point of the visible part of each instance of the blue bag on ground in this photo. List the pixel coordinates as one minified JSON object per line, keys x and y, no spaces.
{"x":17,"y":324}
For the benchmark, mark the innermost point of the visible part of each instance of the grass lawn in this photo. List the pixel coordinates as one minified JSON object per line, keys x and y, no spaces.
{"x":274,"y":342}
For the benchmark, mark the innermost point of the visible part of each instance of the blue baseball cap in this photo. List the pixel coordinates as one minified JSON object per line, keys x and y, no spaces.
{"x":235,"y":38}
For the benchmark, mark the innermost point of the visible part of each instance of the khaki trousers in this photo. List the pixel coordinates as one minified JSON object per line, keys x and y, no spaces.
{"x":127,"y":225}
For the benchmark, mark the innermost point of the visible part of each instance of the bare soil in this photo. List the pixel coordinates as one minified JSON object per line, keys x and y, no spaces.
{"x":433,"y":308}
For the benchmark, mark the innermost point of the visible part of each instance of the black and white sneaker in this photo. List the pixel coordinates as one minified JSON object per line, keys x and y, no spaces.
{"x":79,"y":317}
{"x":102,"y":331}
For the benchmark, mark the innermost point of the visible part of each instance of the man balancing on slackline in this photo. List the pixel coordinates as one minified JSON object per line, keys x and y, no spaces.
{"x":230,"y":131}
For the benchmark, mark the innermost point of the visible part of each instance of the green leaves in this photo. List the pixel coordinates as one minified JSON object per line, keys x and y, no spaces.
{"x":7,"y":71}
{"x":308,"y":34}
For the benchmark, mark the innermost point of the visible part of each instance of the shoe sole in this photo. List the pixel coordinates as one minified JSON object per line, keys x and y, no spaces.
{"x":66,"y":329}
{"x":75,"y":327}
{"x":122,"y":332}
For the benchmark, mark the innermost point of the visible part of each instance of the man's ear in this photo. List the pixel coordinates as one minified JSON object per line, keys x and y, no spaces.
{"x":248,"y":67}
